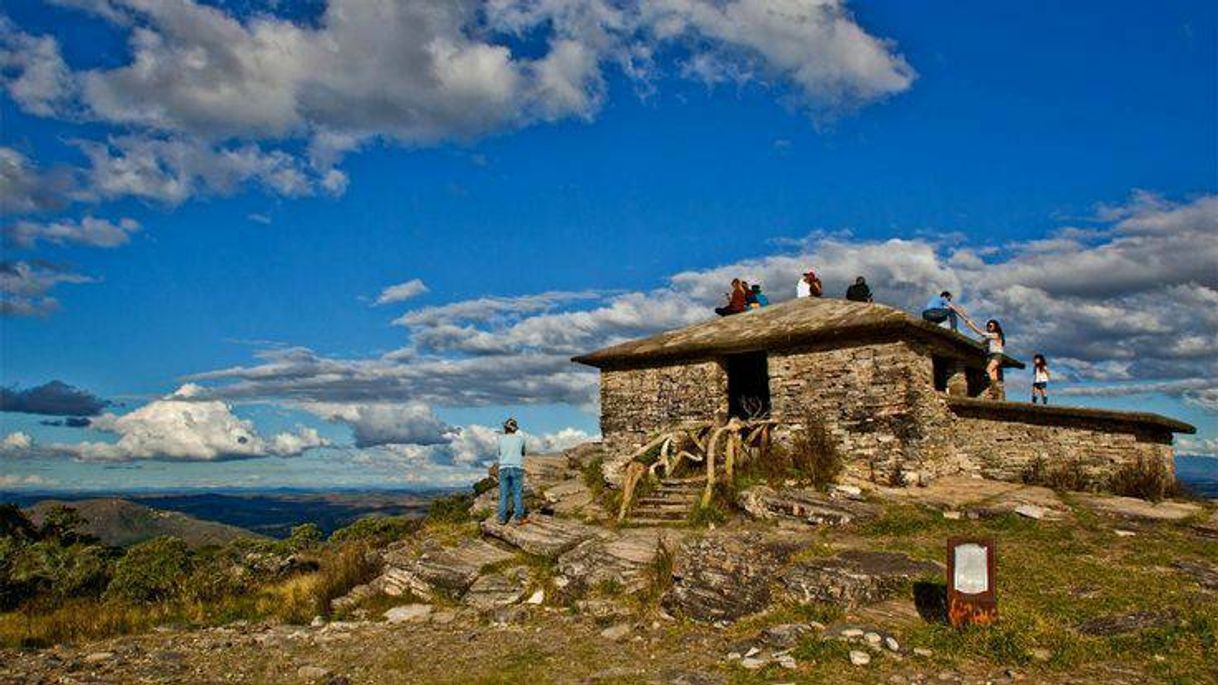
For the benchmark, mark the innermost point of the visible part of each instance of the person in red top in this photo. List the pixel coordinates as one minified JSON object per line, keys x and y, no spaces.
{"x":736,"y":300}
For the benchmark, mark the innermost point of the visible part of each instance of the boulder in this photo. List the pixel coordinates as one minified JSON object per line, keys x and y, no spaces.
{"x":409,"y":613}
{"x":542,"y":536}
{"x":570,"y":497}
{"x":1134,"y":508}
{"x":437,"y":569}
{"x":853,"y":577}
{"x":495,"y":590}
{"x":621,"y":561}
{"x":723,"y":577}
{"x":803,"y":504}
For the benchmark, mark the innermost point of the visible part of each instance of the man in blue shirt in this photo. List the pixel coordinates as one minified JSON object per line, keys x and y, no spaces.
{"x":940,"y":309}
{"x":511,"y":473}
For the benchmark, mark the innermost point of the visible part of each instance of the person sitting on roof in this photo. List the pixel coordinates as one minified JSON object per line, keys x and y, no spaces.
{"x":940,"y":309}
{"x":859,"y":292}
{"x":750,"y":300}
{"x":809,"y":285}
{"x":759,"y":298}
{"x":735,"y":300}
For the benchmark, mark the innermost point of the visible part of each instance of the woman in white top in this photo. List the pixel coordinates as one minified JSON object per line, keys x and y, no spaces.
{"x":1040,"y":378}
{"x":995,"y":341}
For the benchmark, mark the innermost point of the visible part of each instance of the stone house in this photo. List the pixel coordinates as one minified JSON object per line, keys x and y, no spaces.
{"x":900,"y":397}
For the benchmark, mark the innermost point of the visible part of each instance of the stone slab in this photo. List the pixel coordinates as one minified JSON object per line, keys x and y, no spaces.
{"x":853,"y":577}
{"x":806,"y":505}
{"x":437,"y":569}
{"x":622,"y":560}
{"x":543,"y":536}
{"x":725,"y":576}
{"x":1134,"y":508}
{"x":495,"y":590}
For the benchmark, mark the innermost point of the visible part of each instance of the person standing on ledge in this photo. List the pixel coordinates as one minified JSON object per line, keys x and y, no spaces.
{"x":859,"y":292}
{"x":511,"y":473}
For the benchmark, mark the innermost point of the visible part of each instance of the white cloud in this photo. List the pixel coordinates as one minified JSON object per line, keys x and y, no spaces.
{"x":33,"y":71}
{"x":412,"y":73}
{"x":24,"y":284}
{"x":385,"y":422}
{"x":24,"y":188}
{"x":16,"y":440}
{"x":1154,"y":333}
{"x":181,"y":429}
{"x":402,"y":291}
{"x":9,"y":480}
{"x":1198,"y":446}
{"x":173,"y":169}
{"x":87,"y":231}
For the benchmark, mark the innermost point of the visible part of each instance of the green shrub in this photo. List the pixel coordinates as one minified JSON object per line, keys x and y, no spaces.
{"x":1067,"y":476}
{"x":1149,"y":479}
{"x":16,"y":525}
{"x":342,"y":569}
{"x":58,"y":572}
{"x":377,"y":530}
{"x":63,"y":523}
{"x":450,"y":508}
{"x":304,"y":537}
{"x":485,"y":485}
{"x":151,"y":571}
{"x":814,"y":454}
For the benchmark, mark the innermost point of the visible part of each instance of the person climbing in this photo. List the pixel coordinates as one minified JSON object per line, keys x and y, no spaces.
{"x":809,"y":285}
{"x":995,"y":343}
{"x":1040,"y":378}
{"x":736,"y":302}
{"x":859,"y":292}
{"x":941,"y":308}
{"x":759,"y":298}
{"x":511,"y":474}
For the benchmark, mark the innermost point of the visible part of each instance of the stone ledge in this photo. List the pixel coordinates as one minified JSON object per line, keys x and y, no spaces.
{"x":1074,"y":417}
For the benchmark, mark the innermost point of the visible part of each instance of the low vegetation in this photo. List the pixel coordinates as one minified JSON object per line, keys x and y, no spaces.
{"x":57,"y":585}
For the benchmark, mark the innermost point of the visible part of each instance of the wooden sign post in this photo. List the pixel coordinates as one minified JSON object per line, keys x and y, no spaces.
{"x":971,"y":582}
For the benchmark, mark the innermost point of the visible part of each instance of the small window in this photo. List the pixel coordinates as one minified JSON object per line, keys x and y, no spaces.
{"x":748,"y":385}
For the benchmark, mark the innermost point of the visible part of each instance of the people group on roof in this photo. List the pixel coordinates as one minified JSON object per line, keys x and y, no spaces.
{"x":938,"y":310}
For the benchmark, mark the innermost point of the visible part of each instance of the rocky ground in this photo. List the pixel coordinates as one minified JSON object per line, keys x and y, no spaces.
{"x":844,"y":586}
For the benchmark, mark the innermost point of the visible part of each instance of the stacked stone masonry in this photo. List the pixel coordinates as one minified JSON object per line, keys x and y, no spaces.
{"x":877,"y":401}
{"x":1004,"y":449}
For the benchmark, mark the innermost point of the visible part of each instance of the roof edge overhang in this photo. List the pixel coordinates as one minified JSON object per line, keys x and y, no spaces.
{"x":1036,"y":413}
{"x":951,"y":342}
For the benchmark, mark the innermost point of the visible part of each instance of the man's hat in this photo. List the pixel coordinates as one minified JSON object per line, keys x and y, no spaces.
{"x":510,"y":425}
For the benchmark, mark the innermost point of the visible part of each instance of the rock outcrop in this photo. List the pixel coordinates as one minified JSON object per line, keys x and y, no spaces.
{"x":726,"y":576}
{"x":437,"y":569}
{"x":543,"y":536}
{"x":806,"y":505}
{"x":622,"y":561}
{"x":853,"y":577}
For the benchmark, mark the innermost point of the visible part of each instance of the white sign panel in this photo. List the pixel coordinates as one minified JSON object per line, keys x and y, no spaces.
{"x":971,"y":574}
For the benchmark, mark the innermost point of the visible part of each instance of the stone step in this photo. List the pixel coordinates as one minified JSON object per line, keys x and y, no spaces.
{"x":684,"y":482}
{"x":659,"y":514}
{"x":661,"y":502}
{"x":663,"y":506}
{"x":656,"y":522}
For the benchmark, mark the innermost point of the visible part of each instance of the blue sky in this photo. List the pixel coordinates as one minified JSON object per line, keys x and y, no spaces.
{"x":606,"y":188}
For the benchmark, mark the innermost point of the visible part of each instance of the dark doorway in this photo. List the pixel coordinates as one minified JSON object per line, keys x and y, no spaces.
{"x":748,"y":385}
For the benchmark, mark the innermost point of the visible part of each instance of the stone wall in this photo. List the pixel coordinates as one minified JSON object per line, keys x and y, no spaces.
{"x":637,"y":403}
{"x":1002,"y":447}
{"x":875,"y":400}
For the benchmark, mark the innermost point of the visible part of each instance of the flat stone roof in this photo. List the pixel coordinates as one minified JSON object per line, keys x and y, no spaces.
{"x":1057,"y":414}
{"x":790,"y":324}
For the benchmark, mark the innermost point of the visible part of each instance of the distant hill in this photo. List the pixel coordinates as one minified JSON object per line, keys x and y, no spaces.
{"x":119,"y":522}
